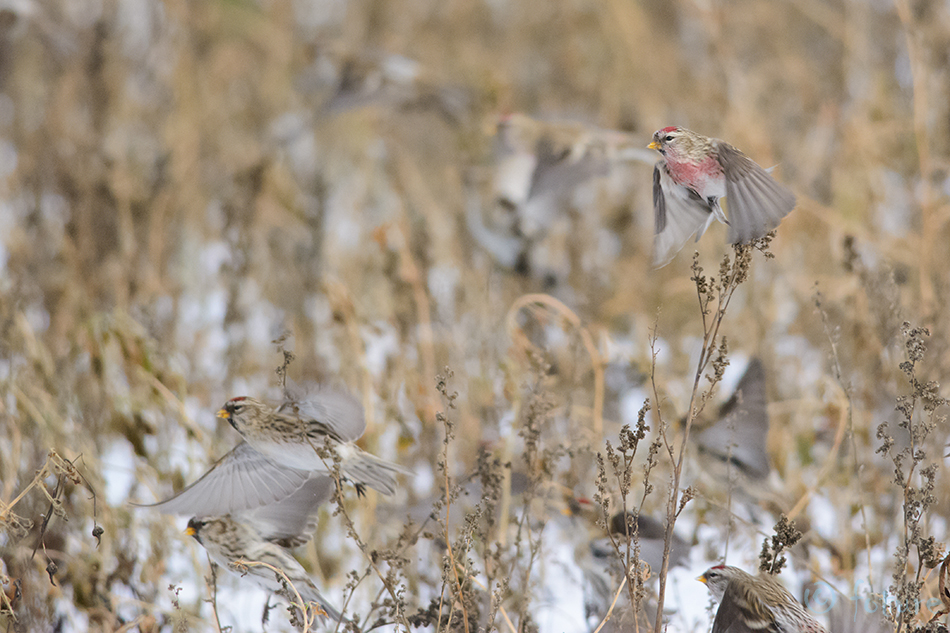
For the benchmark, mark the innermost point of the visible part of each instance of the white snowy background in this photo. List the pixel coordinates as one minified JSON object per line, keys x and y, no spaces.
{"x":182,"y":183}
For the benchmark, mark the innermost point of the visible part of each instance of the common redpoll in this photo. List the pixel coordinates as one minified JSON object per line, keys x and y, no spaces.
{"x":230,"y":539}
{"x":696,"y":171}
{"x":292,"y":435}
{"x":247,"y":478}
{"x":755,"y":604}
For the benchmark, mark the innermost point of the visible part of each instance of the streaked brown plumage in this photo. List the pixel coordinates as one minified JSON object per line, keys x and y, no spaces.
{"x":292,"y":434}
{"x":755,"y":604}
{"x":230,"y":539}
{"x":260,"y":472}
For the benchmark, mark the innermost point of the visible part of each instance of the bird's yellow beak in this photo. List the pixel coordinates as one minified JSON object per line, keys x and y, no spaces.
{"x":190,"y":531}
{"x":653,"y":145}
{"x":702,"y":579}
{"x":222,"y":413}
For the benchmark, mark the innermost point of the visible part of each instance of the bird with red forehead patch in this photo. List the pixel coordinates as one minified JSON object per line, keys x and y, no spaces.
{"x":694,"y":173}
{"x":294,"y":433}
{"x":755,"y":604}
{"x":281,"y":452}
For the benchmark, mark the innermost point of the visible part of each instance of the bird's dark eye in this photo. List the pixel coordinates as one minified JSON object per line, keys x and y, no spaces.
{"x":668,"y":138}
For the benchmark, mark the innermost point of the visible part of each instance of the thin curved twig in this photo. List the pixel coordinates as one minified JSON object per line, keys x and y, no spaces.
{"x":596,"y":358}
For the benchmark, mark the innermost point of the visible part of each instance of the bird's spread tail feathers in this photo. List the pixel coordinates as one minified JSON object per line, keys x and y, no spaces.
{"x":369,"y":470}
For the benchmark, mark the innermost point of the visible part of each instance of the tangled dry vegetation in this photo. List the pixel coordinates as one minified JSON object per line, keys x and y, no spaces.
{"x":185,"y":183}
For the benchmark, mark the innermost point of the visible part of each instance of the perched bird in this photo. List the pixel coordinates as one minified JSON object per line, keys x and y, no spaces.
{"x":696,"y":171}
{"x":247,"y":478}
{"x":229,"y":539}
{"x":755,"y":604}
{"x":292,"y":434}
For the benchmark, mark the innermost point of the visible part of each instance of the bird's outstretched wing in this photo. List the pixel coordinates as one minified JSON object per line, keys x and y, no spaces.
{"x":242,"y":480}
{"x":679,"y":213}
{"x":339,"y":412}
{"x":291,"y":521}
{"x":741,"y":432}
{"x":561,"y":167}
{"x":756,"y":201}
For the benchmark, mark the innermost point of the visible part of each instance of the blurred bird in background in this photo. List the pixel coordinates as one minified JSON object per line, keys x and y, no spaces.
{"x":540,"y":168}
{"x":373,"y":78}
{"x":602,"y":563}
{"x":731,"y":456}
{"x":738,"y":436}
